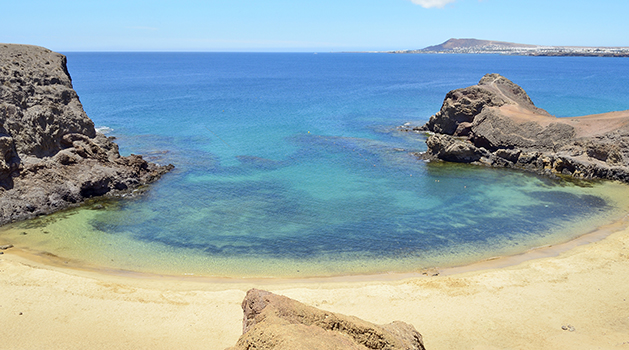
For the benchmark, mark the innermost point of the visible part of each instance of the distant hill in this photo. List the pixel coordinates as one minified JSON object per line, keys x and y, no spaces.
{"x":454,"y":44}
{"x":476,"y":46}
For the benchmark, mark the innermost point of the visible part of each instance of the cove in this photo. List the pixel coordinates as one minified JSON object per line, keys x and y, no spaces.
{"x":289,"y":165}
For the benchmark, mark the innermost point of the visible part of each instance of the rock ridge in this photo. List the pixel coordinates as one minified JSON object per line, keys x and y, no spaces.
{"x":275,"y":322}
{"x":495,"y":123}
{"x":51,"y":156}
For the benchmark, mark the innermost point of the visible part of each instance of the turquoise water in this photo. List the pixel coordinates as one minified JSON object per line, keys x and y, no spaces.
{"x":290,"y":165}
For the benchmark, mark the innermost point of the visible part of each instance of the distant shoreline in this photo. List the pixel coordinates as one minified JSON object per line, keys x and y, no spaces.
{"x":475,"y":46}
{"x":534,"y":54}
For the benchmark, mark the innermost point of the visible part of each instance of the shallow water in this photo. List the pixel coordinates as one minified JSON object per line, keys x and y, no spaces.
{"x":444,"y":215}
{"x":289,"y":165}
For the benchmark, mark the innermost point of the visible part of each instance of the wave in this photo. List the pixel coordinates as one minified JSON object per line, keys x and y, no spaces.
{"x":104,"y":129}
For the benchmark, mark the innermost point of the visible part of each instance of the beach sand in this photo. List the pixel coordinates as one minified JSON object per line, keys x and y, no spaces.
{"x":517,"y":303}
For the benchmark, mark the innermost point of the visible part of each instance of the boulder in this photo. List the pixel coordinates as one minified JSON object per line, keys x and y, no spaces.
{"x":275,"y":322}
{"x":453,"y":149}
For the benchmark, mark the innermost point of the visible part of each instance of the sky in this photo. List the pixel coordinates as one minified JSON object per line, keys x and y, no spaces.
{"x":310,"y":26}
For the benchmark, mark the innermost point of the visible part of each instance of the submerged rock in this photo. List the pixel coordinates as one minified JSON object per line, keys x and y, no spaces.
{"x":275,"y":322}
{"x":495,"y":123}
{"x":51,"y":157}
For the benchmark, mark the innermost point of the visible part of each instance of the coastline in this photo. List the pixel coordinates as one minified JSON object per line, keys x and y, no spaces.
{"x":45,"y":260}
{"x":514,"y":302}
{"x":566,"y":235}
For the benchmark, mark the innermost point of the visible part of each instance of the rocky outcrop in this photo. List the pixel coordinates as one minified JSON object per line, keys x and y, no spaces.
{"x":275,"y":322}
{"x":51,"y":157}
{"x":495,"y":123}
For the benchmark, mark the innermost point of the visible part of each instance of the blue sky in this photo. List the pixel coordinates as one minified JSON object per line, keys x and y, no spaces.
{"x":317,"y":25}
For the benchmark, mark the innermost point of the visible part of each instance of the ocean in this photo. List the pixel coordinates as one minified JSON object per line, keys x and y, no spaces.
{"x":291,"y":165}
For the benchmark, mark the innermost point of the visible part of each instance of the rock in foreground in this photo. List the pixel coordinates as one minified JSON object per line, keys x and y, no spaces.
{"x":275,"y":322}
{"x":51,"y":157}
{"x":495,"y":123}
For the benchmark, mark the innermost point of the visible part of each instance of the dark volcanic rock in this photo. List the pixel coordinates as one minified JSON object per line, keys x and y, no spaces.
{"x":275,"y":322}
{"x":495,"y":123}
{"x":51,"y":156}
{"x":454,"y":149}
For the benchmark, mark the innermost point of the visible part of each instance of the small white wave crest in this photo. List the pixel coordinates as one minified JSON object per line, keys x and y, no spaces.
{"x":104,"y":129}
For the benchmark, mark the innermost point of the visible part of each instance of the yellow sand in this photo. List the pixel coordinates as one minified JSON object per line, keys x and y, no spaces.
{"x":523,"y":306}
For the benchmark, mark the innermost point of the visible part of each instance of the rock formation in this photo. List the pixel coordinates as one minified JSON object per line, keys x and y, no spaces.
{"x":495,"y":123}
{"x":275,"y":322}
{"x":51,"y":156}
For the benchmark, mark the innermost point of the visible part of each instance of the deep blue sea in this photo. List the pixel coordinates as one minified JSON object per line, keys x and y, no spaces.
{"x":290,"y":165}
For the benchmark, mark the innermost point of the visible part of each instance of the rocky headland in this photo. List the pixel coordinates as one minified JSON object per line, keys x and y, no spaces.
{"x":51,"y":156}
{"x":275,"y":322}
{"x":495,"y":123}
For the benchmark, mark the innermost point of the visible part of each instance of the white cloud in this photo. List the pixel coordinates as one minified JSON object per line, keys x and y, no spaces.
{"x":432,"y":3}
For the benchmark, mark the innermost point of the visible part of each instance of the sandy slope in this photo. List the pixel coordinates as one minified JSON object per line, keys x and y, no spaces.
{"x":586,"y":126}
{"x":518,"y":307}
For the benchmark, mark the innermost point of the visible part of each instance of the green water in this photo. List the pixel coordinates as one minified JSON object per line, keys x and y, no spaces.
{"x":72,"y":237}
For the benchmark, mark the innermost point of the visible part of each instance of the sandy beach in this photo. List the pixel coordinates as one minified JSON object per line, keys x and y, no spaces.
{"x":575,"y":299}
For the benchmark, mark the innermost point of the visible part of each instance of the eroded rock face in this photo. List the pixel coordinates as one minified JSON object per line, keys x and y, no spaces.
{"x":495,"y":123}
{"x":461,"y":107}
{"x":275,"y":322}
{"x":51,"y":156}
{"x":39,"y":105}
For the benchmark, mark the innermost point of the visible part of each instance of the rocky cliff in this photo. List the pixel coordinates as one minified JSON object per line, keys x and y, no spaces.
{"x":275,"y":322}
{"x":495,"y":123}
{"x":51,"y":157}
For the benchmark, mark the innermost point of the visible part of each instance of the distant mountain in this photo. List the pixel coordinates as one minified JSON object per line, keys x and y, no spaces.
{"x":454,"y":44}
{"x":476,"y":46}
